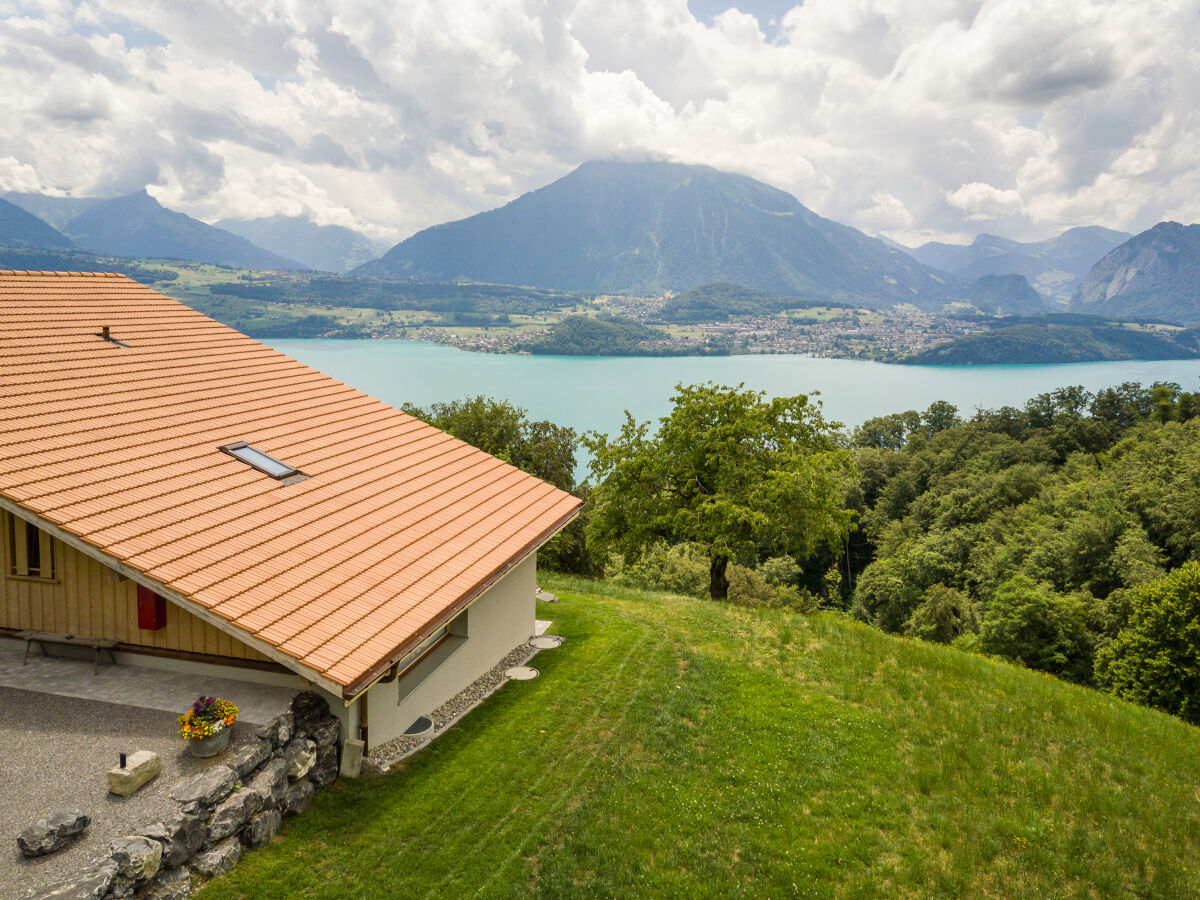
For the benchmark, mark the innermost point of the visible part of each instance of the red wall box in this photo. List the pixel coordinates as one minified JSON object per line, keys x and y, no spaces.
{"x":152,"y":610}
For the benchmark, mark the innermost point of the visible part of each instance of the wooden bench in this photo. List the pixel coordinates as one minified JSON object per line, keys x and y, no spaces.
{"x":42,"y":638}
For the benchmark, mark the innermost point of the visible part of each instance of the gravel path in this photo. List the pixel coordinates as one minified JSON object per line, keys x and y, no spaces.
{"x":56,"y":751}
{"x":388,"y":754}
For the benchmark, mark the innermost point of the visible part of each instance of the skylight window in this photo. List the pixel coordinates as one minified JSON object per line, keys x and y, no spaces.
{"x":256,"y":459}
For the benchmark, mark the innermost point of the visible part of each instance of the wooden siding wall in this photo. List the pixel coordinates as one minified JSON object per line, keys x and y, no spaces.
{"x":86,"y":599}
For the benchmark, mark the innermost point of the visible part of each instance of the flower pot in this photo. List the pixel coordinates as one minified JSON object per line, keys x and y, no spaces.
{"x":209,"y":746}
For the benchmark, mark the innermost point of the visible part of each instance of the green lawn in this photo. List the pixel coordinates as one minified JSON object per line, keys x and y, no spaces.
{"x":679,"y":748}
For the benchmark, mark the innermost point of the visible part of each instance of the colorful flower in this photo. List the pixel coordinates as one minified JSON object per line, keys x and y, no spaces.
{"x":208,"y":716}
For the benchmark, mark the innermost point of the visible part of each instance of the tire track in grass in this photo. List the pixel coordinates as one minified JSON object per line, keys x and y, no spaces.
{"x":584,"y":712}
{"x":567,"y":792}
{"x":506,"y":822}
{"x":573,"y":725}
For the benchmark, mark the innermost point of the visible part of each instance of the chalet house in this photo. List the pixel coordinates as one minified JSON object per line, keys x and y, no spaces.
{"x":206,"y":503}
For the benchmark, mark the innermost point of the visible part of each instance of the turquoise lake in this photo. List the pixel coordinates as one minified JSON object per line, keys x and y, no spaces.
{"x":594,"y":392}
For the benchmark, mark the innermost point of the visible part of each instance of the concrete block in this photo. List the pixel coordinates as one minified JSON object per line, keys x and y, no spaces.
{"x":352,"y":757}
{"x":140,"y":767}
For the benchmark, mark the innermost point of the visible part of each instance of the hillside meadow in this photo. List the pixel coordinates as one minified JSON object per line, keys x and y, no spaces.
{"x":675,"y":747}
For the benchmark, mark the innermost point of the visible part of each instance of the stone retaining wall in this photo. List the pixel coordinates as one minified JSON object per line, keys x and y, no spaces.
{"x":236,"y":804}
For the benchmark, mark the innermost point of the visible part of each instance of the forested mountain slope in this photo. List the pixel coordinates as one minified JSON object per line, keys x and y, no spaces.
{"x":1061,"y":338}
{"x":1040,"y":534}
{"x":327,"y":248}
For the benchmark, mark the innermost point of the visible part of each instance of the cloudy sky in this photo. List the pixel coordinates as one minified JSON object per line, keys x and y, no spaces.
{"x":917,"y":120}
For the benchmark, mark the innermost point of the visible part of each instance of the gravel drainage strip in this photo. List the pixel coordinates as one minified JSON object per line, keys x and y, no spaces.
{"x":386,"y":755}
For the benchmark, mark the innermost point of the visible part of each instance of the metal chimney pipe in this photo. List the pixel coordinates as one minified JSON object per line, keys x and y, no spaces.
{"x":104,"y":333}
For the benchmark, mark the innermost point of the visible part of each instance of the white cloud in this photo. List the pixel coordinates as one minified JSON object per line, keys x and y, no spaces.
{"x":888,"y":213}
{"x":939,"y":118}
{"x":982,"y":201}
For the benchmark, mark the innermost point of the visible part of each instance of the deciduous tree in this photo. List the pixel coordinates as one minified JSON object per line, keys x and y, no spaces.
{"x":1155,"y":659}
{"x":728,"y":470}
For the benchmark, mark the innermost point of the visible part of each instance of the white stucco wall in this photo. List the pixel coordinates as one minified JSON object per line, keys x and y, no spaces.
{"x":501,"y":619}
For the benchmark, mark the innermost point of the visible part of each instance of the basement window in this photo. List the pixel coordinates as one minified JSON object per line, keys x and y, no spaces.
{"x":428,"y":656}
{"x":256,"y":459}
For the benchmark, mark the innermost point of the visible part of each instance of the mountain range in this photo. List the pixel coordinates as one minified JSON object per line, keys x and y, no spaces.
{"x":54,"y":211}
{"x":19,"y":228}
{"x":1155,"y":274}
{"x":1004,"y":295}
{"x":1055,"y":267}
{"x":653,"y":227}
{"x":327,"y":248}
{"x":650,"y":227}
{"x":139,"y":226}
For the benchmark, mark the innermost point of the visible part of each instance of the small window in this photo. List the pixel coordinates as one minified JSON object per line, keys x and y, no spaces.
{"x":30,"y":550}
{"x":268,"y":465}
{"x":406,"y":661}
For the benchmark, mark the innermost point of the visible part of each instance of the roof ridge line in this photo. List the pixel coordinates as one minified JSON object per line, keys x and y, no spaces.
{"x":63,"y":273}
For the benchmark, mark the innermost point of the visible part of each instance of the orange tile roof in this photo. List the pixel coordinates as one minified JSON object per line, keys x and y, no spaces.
{"x":397,"y":526}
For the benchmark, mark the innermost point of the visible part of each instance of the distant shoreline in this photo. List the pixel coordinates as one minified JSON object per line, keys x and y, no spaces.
{"x":372,"y":339}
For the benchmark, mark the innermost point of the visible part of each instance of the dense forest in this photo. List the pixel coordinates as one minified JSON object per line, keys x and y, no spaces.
{"x":1063,"y":535}
{"x":1035,"y":534}
{"x":587,"y":336}
{"x":595,"y":336}
{"x":1061,"y":338}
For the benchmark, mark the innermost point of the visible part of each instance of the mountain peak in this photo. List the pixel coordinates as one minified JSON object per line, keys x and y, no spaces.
{"x":1005,"y":295}
{"x":1155,"y":274}
{"x":328,"y":248}
{"x":1055,"y":266}
{"x":20,"y":228}
{"x":648,"y":226}
{"x":137,"y":225}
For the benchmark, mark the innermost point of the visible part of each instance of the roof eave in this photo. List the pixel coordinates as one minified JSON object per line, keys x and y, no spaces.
{"x":182,"y":600}
{"x":360,"y":685}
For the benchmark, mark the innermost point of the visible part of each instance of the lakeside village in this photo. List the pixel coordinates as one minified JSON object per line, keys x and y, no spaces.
{"x":832,"y":332}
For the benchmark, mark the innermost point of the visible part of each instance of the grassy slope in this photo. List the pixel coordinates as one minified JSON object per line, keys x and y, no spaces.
{"x":677,"y":748}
